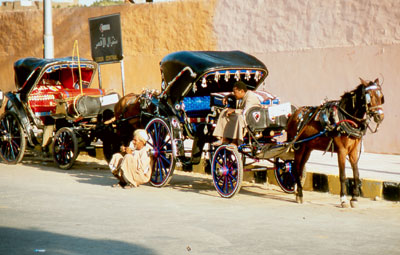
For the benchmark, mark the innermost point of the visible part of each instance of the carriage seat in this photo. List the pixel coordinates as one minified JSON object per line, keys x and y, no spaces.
{"x":259,"y":118}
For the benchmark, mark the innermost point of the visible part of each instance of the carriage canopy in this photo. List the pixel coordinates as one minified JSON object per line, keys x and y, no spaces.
{"x":204,"y":72}
{"x":29,"y":71}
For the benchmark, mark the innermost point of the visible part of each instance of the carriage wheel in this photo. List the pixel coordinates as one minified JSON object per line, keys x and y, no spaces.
{"x":12,"y":138}
{"x":284,"y":176}
{"x":227,"y":171}
{"x":65,"y":148}
{"x":162,"y":152}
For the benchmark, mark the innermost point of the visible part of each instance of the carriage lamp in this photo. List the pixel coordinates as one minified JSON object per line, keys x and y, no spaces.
{"x":237,"y":75}
{"x":257,"y":76}
{"x":162,"y":85}
{"x":204,"y":83}
{"x":216,"y":77}
{"x":1,"y":98}
{"x":227,"y":74}
{"x":247,"y":75}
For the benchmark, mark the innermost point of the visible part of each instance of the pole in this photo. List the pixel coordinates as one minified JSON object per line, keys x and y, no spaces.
{"x":99,"y":73}
{"x":48,"y":30}
{"x":123,"y":77}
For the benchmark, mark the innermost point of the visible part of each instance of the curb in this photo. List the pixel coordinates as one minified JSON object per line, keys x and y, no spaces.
{"x":373,"y":189}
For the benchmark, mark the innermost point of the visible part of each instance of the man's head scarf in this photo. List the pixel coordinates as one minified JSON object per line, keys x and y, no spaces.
{"x":141,"y":134}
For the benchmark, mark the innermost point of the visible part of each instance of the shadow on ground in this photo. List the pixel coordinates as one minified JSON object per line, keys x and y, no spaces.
{"x":86,"y":169}
{"x":92,"y":171}
{"x":30,"y":241}
{"x":203,"y":184}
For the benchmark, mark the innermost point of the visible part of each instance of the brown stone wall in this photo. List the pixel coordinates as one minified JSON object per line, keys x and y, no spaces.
{"x":149,"y":32}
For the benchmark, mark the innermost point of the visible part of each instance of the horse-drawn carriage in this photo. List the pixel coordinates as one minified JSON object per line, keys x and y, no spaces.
{"x":193,"y":87}
{"x":53,"y":108}
{"x":53,"y":97}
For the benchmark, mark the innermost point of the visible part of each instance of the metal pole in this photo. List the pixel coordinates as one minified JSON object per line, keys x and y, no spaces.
{"x":99,"y":73}
{"x":48,"y":30}
{"x":122,"y":77}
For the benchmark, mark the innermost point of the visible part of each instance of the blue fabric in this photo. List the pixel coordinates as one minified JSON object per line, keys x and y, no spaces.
{"x":197,"y":104}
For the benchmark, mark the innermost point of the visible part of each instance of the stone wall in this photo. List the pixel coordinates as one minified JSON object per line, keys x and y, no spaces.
{"x":314,"y":49}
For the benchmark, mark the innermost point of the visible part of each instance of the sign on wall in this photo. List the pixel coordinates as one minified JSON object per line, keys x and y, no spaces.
{"x":105,"y":38}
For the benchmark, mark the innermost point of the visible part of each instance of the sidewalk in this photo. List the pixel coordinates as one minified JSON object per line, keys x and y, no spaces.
{"x":379,"y":174}
{"x":382,"y":167}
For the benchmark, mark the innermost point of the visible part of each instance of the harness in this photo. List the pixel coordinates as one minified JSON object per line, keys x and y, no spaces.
{"x":335,"y":120}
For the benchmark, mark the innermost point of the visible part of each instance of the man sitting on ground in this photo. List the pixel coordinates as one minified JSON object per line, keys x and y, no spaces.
{"x":133,"y":168}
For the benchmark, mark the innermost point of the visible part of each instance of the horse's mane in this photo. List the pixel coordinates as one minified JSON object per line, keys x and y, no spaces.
{"x":349,"y":94}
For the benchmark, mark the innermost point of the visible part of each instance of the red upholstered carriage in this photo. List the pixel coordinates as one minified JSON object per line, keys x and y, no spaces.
{"x":53,"y":98}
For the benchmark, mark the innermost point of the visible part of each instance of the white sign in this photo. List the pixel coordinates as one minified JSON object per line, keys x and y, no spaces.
{"x":278,"y":110}
{"x":109,"y":99}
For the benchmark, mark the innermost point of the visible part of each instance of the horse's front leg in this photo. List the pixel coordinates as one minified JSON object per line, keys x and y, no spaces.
{"x":301,"y":158}
{"x":353,"y":158}
{"x":342,"y":176}
{"x":296,"y":174}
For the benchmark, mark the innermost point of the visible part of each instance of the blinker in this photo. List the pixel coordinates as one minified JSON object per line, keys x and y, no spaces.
{"x":368,"y":98}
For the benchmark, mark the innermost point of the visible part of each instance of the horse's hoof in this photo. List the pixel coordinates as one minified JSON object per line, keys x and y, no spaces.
{"x":345,"y":204}
{"x":354,"y":203}
{"x":299,"y":199}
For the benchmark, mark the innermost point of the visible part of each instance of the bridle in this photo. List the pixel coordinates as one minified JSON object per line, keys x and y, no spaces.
{"x":376,"y":110}
{"x":370,"y":111}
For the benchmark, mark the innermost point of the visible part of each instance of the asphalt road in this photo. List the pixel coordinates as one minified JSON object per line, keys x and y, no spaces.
{"x":47,"y":210}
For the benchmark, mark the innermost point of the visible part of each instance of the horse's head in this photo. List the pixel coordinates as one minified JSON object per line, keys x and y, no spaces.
{"x":374,"y":99}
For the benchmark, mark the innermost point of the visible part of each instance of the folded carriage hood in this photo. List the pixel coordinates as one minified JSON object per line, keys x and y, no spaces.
{"x":28,"y":69}
{"x":202,"y":62}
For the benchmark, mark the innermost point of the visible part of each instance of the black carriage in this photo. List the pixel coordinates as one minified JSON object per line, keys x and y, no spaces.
{"x":54,"y":110}
{"x":193,"y":86}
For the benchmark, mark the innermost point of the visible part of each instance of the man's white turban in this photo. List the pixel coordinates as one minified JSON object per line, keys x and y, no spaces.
{"x":141,"y":134}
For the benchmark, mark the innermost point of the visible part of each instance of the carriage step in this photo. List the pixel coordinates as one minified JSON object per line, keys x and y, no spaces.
{"x":256,"y":169}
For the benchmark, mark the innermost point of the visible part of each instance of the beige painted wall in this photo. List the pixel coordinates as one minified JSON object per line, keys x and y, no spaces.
{"x":318,"y":49}
{"x":314,"y":49}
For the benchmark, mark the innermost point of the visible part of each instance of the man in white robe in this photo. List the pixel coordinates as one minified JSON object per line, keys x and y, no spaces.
{"x":230,"y":124}
{"x":133,"y":168}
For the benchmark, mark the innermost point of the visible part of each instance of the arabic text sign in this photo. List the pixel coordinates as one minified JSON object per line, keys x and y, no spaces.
{"x":105,"y":38}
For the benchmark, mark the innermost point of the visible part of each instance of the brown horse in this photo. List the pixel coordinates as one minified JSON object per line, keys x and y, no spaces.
{"x":130,"y":113}
{"x":128,"y":116}
{"x":338,"y":126}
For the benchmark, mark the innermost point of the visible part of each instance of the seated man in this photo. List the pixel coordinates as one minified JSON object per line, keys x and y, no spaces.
{"x":230,"y":125}
{"x":134,"y":168}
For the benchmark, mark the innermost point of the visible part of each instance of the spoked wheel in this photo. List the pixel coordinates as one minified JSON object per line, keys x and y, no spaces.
{"x":284,"y":176}
{"x":65,"y":148}
{"x":227,"y":171}
{"x":162,"y":151}
{"x":12,"y":138}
